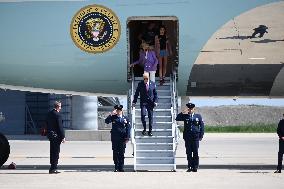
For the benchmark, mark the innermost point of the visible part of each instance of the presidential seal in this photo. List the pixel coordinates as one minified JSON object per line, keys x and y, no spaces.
{"x":95,"y":29}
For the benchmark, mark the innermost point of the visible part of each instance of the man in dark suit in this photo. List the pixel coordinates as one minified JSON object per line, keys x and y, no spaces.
{"x":55,"y":134}
{"x":280,"y":132}
{"x":148,"y":100}
{"x":120,"y":134}
{"x":193,"y":133}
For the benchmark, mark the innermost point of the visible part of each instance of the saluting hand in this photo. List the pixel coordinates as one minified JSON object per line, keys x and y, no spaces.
{"x":113,"y":112}
{"x":282,"y":138}
{"x":185,"y":111}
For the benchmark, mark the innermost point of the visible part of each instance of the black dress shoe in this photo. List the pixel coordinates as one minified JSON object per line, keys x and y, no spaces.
{"x":121,"y":170}
{"x":150,"y":133}
{"x":115,"y":170}
{"x":194,"y":170}
{"x":143,"y":132}
{"x":277,"y":171}
{"x":188,"y":170}
{"x":53,"y":172}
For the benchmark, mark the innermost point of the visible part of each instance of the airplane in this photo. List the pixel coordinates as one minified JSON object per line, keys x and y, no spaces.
{"x":86,"y":47}
{"x":38,"y":53}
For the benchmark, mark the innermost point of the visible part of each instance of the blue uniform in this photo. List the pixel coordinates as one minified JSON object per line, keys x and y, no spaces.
{"x":193,"y":132}
{"x":147,"y":101}
{"x":120,"y":132}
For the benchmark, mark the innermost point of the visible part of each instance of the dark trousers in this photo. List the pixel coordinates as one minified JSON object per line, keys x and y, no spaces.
{"x":192,"y":153}
{"x":280,"y":154}
{"x":118,"y":148}
{"x":54,"y":153}
{"x":149,"y":109}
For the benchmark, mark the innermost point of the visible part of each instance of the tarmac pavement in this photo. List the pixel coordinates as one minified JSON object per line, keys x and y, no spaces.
{"x":226,"y":160}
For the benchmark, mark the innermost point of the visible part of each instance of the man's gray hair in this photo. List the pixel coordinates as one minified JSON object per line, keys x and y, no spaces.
{"x":57,"y":104}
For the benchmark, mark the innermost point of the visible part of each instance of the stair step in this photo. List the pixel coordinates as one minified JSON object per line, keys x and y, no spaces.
{"x":160,"y":97}
{"x":153,"y":139}
{"x":155,"y":167}
{"x":155,"y":133}
{"x":160,"y":106}
{"x":157,"y":78}
{"x":166,"y":146}
{"x":157,"y":112}
{"x":165,"y":86}
{"x":154,"y":143}
{"x":158,"y":160}
{"x":156,"y":118}
{"x":158,"y":109}
{"x":164,"y":92}
{"x":156,"y":125}
{"x":150,"y":151}
{"x":155,"y":157}
{"x":154,"y":130}
{"x":161,"y":153}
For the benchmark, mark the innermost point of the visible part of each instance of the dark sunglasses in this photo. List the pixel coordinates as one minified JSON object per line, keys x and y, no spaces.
{"x":146,"y":78}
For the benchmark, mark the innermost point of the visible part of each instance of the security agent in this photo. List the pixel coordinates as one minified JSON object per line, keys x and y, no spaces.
{"x":120,"y":134}
{"x":192,"y":134}
{"x":280,"y":132}
{"x":55,"y":134}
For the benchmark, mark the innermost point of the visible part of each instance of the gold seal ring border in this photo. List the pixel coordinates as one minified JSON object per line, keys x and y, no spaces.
{"x":102,"y":7}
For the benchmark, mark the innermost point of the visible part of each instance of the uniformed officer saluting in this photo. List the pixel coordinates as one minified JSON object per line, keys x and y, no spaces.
{"x":280,"y":132}
{"x":192,"y":134}
{"x":120,"y":134}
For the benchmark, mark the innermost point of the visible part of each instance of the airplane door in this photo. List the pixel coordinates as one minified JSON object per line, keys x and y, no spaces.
{"x":137,"y":27}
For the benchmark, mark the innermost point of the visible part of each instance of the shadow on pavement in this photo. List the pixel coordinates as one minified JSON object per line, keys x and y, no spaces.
{"x":24,"y":173}
{"x":261,"y":172}
{"x":129,"y":168}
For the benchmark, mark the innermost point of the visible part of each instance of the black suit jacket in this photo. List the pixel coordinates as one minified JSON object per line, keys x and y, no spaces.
{"x":150,"y":97}
{"x":54,"y":125}
{"x":280,"y":128}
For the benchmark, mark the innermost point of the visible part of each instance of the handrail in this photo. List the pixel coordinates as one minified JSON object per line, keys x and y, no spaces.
{"x":175,"y":131}
{"x":133,"y":125}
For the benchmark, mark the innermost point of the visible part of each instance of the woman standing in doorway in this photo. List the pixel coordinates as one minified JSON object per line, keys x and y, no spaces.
{"x":163,"y":50}
{"x":147,"y":57}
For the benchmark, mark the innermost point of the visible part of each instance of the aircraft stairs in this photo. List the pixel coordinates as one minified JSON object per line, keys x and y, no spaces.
{"x":157,"y":152}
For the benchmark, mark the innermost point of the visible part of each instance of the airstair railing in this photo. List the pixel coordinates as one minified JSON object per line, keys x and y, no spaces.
{"x":133,"y":123}
{"x":175,"y":130}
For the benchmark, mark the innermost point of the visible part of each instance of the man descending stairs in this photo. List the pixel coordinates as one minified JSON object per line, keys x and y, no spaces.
{"x":156,"y":152}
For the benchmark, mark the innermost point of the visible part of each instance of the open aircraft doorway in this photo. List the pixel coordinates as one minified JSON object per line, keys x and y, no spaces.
{"x":137,"y":28}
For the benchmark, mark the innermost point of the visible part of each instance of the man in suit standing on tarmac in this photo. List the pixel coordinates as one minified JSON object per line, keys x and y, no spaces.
{"x":280,"y":132}
{"x":148,"y":100}
{"x":55,"y":134}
